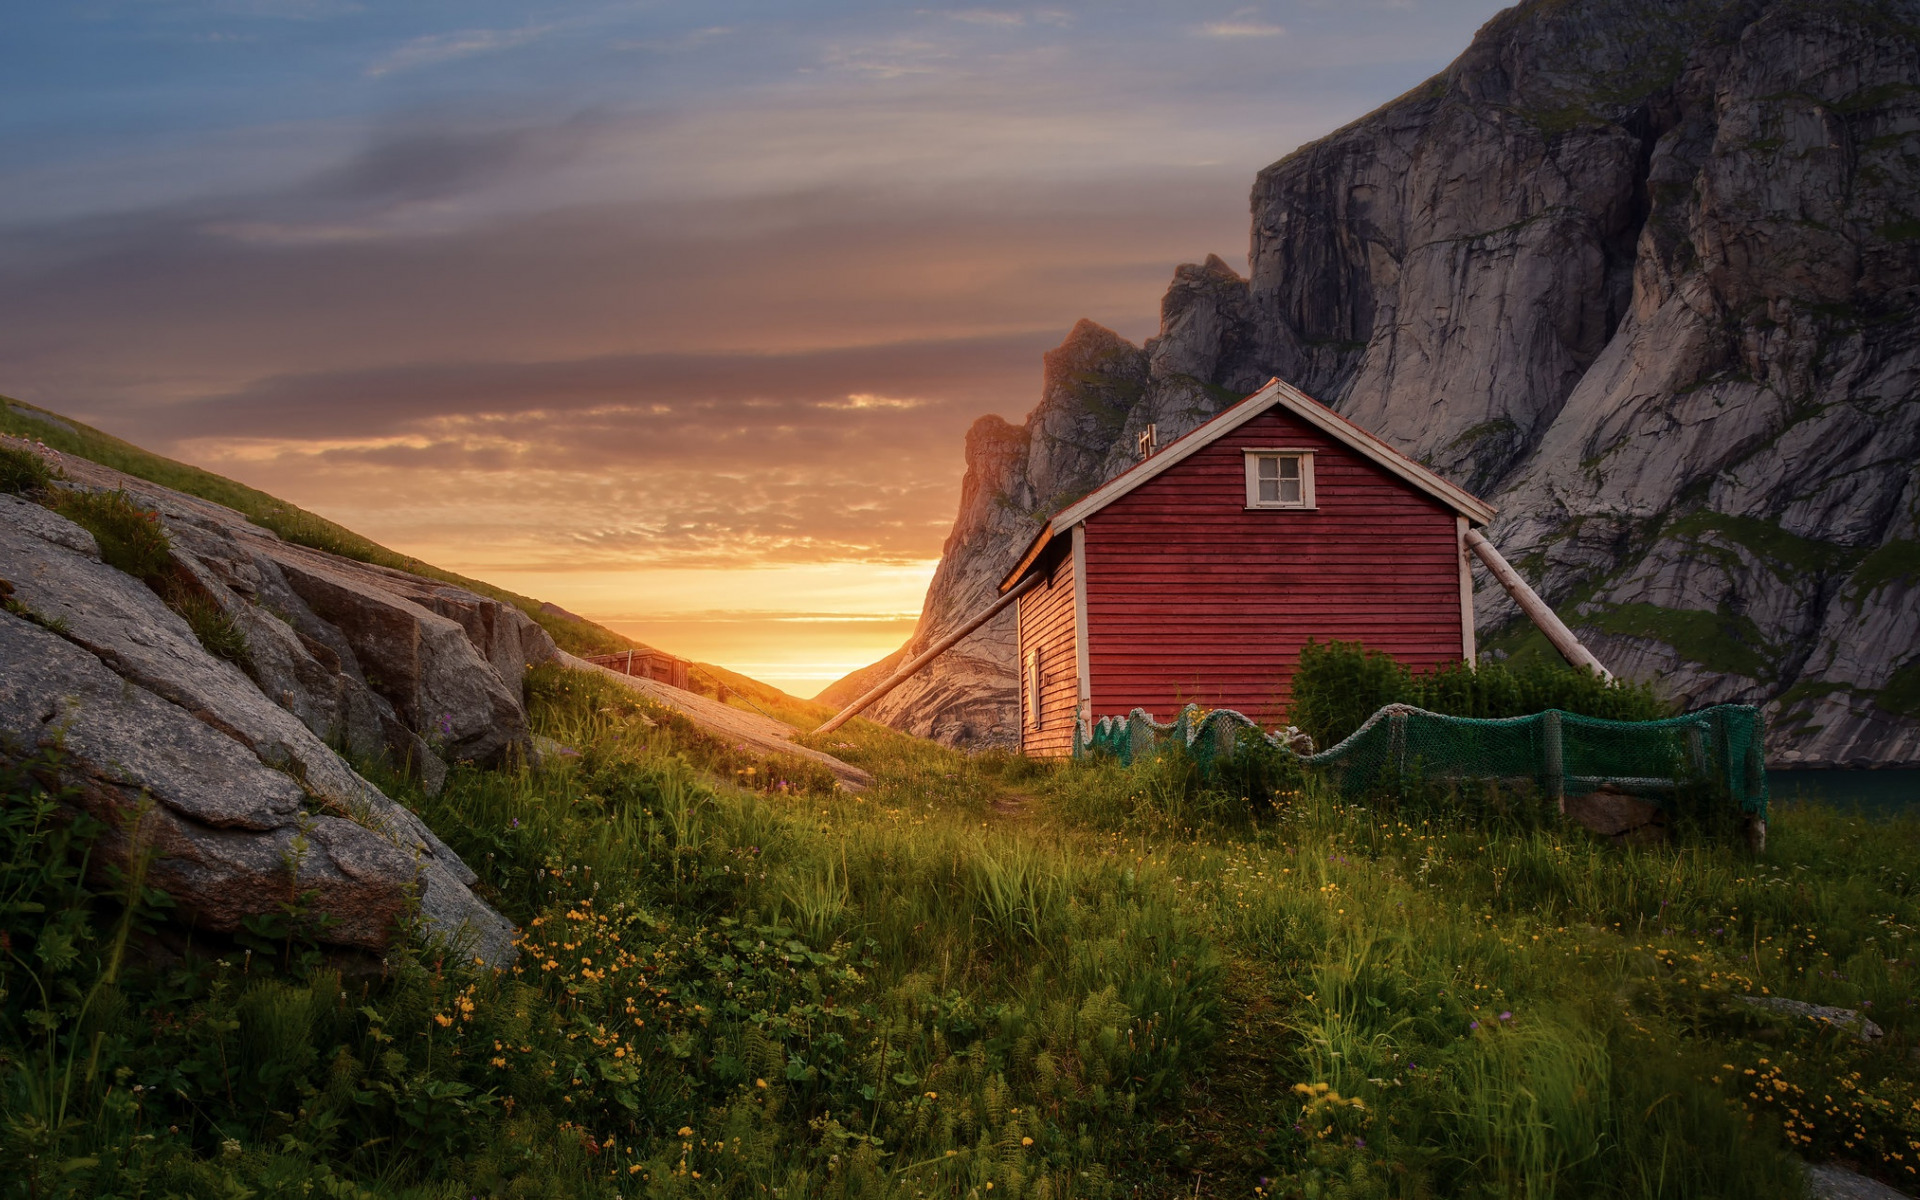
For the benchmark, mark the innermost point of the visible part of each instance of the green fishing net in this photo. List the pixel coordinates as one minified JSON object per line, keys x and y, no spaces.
{"x":1558,"y":753}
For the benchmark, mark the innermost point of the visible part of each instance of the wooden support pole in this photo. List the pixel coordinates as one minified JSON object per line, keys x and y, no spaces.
{"x":1536,"y":609}
{"x":1555,"y":754}
{"x":930,"y":653}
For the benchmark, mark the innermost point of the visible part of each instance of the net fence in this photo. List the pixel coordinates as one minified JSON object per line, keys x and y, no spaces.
{"x":1559,"y":754}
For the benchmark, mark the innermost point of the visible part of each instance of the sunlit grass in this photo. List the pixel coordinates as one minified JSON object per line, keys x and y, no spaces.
{"x":1065,"y":980}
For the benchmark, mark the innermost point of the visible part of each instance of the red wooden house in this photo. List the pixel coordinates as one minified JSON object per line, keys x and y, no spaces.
{"x":1198,"y":575}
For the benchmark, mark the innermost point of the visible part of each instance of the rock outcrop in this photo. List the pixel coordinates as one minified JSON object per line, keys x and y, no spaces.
{"x":1644,"y":273}
{"x":224,"y":772}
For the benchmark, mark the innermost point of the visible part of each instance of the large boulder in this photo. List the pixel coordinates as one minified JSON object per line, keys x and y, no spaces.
{"x":231,"y":789}
{"x":229,"y":837}
{"x":374,"y":659}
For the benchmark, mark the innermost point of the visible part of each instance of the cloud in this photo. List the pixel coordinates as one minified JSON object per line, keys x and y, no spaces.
{"x":137,"y":321}
{"x":987,"y":16}
{"x":680,"y":406}
{"x":419,"y":160}
{"x":279,"y":10}
{"x":1246,"y":23}
{"x":447,"y":47}
{"x":693,"y":39}
{"x":890,"y":58}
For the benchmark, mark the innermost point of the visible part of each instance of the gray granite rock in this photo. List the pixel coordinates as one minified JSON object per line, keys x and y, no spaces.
{"x":1824,"y":1014}
{"x":230,"y":836}
{"x":1830,"y":1181}
{"x":241,"y":796}
{"x":374,"y":658}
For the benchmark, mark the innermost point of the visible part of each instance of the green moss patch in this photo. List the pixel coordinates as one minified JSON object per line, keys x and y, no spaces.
{"x":1896,"y":562}
{"x":1787,"y":555}
{"x":1719,"y":641}
{"x":1901,"y":696}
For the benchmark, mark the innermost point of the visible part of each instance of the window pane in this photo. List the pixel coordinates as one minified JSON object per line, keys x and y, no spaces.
{"x":1269,"y":488}
{"x":1290,"y":490}
{"x":1289,"y":467}
{"x":1269,"y":468}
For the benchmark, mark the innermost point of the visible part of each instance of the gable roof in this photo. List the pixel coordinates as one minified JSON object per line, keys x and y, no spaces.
{"x":1276,"y":394}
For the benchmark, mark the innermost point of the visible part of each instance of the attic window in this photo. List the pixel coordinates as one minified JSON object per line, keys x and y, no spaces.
{"x":1280,"y":478}
{"x":1033,"y":688}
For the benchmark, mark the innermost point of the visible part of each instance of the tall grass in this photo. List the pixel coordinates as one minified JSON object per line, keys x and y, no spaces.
{"x":1066,"y":980}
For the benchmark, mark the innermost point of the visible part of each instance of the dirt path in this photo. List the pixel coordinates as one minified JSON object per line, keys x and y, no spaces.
{"x":1013,"y":806}
{"x":750,"y":729}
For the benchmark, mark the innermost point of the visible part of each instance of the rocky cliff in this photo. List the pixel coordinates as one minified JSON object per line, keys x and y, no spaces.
{"x":1646,"y":274}
{"x":222,"y":765}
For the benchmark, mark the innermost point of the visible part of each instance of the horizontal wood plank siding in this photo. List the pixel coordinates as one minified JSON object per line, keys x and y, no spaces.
{"x":1191,"y":598}
{"x":1046,"y":622}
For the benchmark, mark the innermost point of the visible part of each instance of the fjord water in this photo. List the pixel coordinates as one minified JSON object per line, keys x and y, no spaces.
{"x":1876,"y":793}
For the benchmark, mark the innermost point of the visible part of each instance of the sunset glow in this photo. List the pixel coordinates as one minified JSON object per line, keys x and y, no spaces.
{"x":675,"y":316}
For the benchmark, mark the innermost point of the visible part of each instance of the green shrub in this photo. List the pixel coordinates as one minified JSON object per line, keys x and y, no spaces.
{"x":22,"y":472}
{"x":1340,"y":684}
{"x":131,"y":537}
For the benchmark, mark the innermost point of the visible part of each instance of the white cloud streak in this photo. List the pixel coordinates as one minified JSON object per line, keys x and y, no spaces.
{"x":1242,"y":29}
{"x":447,"y":47}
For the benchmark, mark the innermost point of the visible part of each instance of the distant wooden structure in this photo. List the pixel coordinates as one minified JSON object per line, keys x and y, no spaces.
{"x":1199,"y":574}
{"x":645,"y":663}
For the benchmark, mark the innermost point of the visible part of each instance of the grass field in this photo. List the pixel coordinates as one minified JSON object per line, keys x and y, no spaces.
{"x":983,"y":977}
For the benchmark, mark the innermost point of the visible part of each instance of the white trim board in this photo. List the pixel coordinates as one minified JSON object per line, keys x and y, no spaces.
{"x":1081,"y":659}
{"x":1279,"y":394}
{"x":1467,"y":648}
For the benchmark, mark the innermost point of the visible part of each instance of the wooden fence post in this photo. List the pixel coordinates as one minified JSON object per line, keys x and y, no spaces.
{"x":1555,"y":755}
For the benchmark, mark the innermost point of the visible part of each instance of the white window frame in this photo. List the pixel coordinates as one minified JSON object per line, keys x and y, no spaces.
{"x":1253,"y":457}
{"x":1033,"y":688}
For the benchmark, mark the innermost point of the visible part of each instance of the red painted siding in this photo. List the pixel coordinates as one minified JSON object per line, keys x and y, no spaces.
{"x":1046,"y":624}
{"x":1193,"y":598}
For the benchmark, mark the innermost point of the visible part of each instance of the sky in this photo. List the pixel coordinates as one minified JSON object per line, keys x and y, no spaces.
{"x":674,"y":314}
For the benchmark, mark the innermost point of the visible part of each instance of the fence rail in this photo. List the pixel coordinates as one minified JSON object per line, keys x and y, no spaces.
{"x":1560,"y":752}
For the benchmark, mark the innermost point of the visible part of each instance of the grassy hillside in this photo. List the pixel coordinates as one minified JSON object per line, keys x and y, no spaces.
{"x":291,"y":522}
{"x":985,"y":977}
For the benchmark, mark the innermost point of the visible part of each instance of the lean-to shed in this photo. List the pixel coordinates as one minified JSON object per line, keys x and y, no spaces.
{"x":1198,"y":575}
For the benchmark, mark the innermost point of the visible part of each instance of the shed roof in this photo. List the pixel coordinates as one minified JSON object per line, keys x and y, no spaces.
{"x":1276,"y":394}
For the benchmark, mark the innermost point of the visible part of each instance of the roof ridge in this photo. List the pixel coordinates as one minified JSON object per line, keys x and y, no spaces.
{"x":1275,"y":392}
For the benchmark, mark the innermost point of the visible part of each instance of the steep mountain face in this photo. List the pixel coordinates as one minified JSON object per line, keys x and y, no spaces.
{"x":1646,"y":274}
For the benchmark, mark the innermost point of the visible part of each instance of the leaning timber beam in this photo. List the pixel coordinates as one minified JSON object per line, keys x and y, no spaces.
{"x":930,"y":653}
{"x":1530,"y":603}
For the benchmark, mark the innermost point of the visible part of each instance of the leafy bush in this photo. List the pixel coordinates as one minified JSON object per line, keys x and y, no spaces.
{"x":22,"y":472}
{"x":1340,"y":684}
